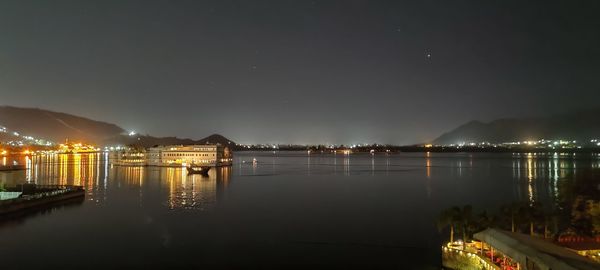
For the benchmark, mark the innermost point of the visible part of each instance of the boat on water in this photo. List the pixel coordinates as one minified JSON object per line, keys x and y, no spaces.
{"x":254,"y":161}
{"x":198,"y":170}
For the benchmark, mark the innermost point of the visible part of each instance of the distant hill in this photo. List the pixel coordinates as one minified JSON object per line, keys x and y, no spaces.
{"x":216,"y":138}
{"x":148,"y":141}
{"x":55,"y":126}
{"x":582,"y":125}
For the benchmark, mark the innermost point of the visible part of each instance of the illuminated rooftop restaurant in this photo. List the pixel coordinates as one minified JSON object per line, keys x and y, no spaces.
{"x":499,"y":249}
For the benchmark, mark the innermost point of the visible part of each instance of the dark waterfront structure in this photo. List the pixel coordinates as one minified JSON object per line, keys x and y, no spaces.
{"x":27,"y":197}
{"x":534,"y":252}
{"x":499,"y":249}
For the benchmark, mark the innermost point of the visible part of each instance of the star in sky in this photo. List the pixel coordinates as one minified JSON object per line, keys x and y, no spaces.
{"x":428,"y":54}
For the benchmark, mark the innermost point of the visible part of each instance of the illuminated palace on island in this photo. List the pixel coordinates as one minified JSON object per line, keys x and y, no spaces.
{"x":213,"y":155}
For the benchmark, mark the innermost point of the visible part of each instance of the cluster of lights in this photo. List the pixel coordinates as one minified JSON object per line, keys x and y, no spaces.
{"x":29,"y":152}
{"x":114,"y":148}
{"x":260,"y":146}
{"x":25,"y":139}
{"x":77,"y":148}
{"x":470,"y":255}
{"x":360,"y":145}
{"x":462,"y":144}
{"x":15,"y":143}
{"x":328,"y":146}
{"x":533,"y":143}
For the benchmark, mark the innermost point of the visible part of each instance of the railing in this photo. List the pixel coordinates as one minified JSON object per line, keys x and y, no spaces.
{"x":69,"y":187}
{"x":578,"y":239}
{"x":482,"y":260}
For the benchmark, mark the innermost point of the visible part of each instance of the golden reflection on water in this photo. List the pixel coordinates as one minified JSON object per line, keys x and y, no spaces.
{"x":530,"y":176}
{"x":428,"y":164}
{"x":195,"y":191}
{"x":428,"y":173}
{"x":542,"y":172}
{"x":63,"y":169}
{"x":97,"y":176}
{"x":346,"y":164}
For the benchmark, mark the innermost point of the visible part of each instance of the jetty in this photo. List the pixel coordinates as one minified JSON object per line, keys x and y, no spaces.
{"x":30,"y":196}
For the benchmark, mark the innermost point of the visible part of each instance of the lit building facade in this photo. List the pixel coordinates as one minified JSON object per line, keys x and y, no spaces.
{"x":177,"y":155}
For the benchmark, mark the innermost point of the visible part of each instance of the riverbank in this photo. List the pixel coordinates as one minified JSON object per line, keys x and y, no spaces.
{"x":422,"y":148}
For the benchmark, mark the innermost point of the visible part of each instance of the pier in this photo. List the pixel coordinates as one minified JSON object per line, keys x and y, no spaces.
{"x":29,"y":196}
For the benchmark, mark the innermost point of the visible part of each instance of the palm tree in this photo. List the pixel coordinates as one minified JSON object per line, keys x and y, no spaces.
{"x":460,"y":219}
{"x":465,"y":219}
{"x":549,"y":219}
{"x":531,"y":214}
{"x":483,"y":221}
{"x":512,"y":212}
{"x":448,"y":218}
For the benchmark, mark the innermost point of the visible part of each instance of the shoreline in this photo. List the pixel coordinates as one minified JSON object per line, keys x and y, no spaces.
{"x":410,"y":149}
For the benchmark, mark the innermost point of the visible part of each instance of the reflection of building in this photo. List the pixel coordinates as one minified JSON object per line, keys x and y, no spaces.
{"x":173,"y":187}
{"x":194,"y":191}
{"x":176,"y":155}
{"x":162,"y":186}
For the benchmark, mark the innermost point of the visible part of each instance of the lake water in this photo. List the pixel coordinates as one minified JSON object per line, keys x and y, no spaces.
{"x":290,"y":209}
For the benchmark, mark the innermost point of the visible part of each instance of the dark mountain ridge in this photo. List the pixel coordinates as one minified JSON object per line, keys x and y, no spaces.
{"x":55,"y":126}
{"x":58,"y":127}
{"x":149,"y":141}
{"x":581,"y":125}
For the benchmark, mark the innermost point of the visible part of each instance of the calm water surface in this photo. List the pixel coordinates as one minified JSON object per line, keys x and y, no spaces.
{"x":289,"y":209}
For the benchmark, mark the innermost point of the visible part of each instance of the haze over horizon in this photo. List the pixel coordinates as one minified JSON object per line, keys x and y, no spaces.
{"x":299,"y":71}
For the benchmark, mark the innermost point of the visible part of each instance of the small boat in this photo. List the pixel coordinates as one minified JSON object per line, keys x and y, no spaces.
{"x":198,"y":170}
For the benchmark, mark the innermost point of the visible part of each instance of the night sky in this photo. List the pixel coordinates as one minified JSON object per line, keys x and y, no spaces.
{"x":300,"y":71}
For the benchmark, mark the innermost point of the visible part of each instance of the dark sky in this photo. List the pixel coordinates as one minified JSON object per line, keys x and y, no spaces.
{"x":300,"y":71}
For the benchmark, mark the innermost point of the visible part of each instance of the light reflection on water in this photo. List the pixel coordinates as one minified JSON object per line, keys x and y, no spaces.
{"x":535,"y":176}
{"x":260,"y":212}
{"x":93,"y":173}
{"x":195,"y":191}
